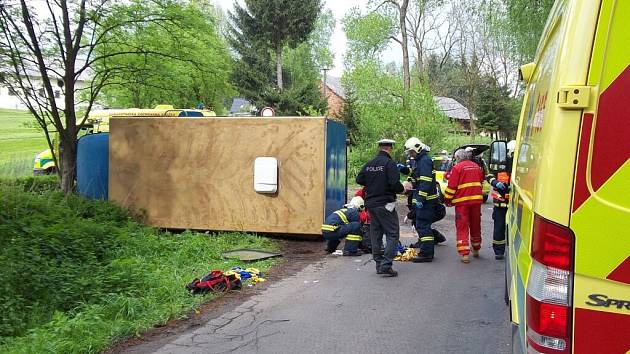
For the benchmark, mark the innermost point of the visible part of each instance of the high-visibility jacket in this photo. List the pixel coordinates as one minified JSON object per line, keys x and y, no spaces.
{"x":464,"y":184}
{"x":422,"y":176}
{"x":500,"y":198}
{"x":345,"y":221}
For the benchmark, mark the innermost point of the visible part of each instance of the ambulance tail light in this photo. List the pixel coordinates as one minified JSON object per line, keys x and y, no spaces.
{"x":549,"y":289}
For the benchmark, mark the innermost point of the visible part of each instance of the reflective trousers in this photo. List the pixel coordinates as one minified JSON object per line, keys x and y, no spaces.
{"x":498,"y":236}
{"x":424,"y":219}
{"x":468,"y":223}
{"x":351,"y":232}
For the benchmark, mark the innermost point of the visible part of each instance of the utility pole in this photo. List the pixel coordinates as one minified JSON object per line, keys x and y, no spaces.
{"x":325,"y":70}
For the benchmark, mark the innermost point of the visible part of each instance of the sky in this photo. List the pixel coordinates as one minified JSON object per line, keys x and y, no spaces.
{"x":338,"y":40}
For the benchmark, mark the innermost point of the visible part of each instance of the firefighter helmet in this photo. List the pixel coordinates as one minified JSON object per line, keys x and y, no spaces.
{"x":415,"y":144}
{"x":356,"y":202}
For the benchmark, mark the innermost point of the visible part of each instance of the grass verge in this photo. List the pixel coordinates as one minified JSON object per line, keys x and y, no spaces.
{"x":80,"y":274}
{"x":18,"y":137}
{"x":19,"y":142}
{"x":19,"y":165}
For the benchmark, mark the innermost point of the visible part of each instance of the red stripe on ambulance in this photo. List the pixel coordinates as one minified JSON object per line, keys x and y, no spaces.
{"x":611,"y":146}
{"x":601,"y":332}
{"x":621,"y":273}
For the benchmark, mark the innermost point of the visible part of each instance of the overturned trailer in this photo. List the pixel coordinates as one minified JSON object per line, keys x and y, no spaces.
{"x":269,"y":175}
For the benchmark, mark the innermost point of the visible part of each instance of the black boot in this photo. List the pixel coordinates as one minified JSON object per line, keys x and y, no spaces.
{"x":389,"y":272}
{"x":438,"y":237}
{"x":420,"y":258}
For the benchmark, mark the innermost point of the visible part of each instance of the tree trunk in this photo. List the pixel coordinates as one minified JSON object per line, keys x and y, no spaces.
{"x":279,"y":66}
{"x":405,"y":45}
{"x":68,"y":164}
{"x":420,"y":63}
{"x":68,"y":136}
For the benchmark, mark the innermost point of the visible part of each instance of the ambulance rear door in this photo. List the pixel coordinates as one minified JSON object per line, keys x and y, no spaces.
{"x":600,"y":216}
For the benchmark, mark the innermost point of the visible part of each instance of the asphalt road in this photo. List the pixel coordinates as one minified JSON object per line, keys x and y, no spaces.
{"x":340,"y":305}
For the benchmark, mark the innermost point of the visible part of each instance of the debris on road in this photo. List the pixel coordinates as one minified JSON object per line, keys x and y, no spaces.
{"x":407,"y":255}
{"x":219,"y":281}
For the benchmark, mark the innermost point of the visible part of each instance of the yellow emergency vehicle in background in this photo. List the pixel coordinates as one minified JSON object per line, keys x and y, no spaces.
{"x":441,"y":164}
{"x":98,"y":122}
{"x":568,"y":267}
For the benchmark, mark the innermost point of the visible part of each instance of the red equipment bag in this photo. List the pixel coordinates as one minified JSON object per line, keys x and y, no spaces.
{"x":214,"y":281}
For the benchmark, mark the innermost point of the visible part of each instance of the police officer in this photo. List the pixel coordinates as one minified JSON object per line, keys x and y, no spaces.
{"x":500,"y":182}
{"x":425,"y":196}
{"x":382,"y":182}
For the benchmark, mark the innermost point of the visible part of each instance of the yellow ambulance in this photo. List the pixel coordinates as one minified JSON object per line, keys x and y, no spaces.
{"x":568,"y":264}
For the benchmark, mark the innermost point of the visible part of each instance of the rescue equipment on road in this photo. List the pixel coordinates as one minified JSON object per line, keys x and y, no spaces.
{"x":218,"y":281}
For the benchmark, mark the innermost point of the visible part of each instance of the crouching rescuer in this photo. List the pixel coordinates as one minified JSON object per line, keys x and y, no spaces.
{"x":465,"y":193}
{"x":344,"y":223}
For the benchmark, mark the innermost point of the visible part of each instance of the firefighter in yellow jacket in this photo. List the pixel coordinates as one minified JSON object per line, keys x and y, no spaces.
{"x":344,"y":223}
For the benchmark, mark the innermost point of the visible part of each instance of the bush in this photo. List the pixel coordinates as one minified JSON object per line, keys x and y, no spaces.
{"x":77,"y":274}
{"x":37,"y":184}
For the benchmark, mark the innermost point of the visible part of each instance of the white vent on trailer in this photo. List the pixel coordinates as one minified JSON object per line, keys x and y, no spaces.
{"x":266,"y":175}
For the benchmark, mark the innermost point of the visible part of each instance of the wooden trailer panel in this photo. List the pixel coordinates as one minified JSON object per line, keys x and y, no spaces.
{"x":192,"y":173}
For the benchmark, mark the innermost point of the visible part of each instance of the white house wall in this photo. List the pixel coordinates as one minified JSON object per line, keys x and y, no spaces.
{"x":13,"y":102}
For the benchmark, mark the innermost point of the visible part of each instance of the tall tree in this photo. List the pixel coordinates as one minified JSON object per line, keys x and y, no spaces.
{"x":526,"y":19}
{"x":423,"y":24}
{"x":399,"y":9}
{"x":368,"y":35}
{"x":470,"y":55}
{"x":253,"y":70}
{"x":319,"y":39}
{"x":494,"y":108}
{"x":53,"y":47}
{"x":277,"y":23}
{"x":193,"y":69}
{"x":380,"y":105}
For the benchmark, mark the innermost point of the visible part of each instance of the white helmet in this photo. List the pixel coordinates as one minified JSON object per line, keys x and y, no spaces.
{"x":511,"y":146}
{"x":415,"y":144}
{"x":356,"y":202}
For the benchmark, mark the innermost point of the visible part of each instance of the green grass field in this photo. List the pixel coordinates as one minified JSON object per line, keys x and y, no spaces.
{"x":18,"y":143}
